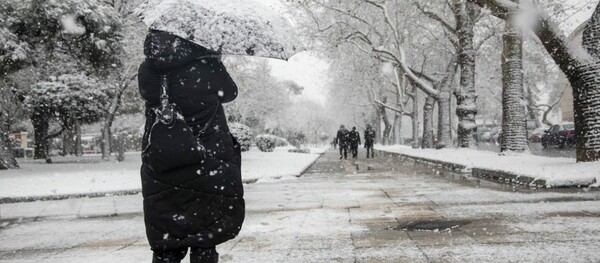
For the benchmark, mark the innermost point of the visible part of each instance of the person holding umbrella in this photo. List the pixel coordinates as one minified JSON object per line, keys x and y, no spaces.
{"x":193,"y":198}
{"x":199,"y":205}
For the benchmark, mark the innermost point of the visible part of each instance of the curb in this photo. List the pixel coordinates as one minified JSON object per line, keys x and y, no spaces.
{"x":12,"y":200}
{"x":496,"y":176}
{"x":447,"y":166}
{"x":312,"y":163}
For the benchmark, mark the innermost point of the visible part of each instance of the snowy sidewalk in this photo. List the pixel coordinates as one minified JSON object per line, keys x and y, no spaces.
{"x":538,"y":170}
{"x":338,"y":211}
{"x":88,"y":176}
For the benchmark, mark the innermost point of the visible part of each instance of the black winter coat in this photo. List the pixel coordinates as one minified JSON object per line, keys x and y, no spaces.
{"x":369,"y":137}
{"x":354,"y":137}
{"x":200,"y":205}
{"x":343,"y":137}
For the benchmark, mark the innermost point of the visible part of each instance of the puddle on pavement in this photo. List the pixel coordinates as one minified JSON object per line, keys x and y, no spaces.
{"x":431,"y":225}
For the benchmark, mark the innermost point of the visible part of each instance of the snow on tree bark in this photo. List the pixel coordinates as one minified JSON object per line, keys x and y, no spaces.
{"x":587,"y":95}
{"x":514,"y":112}
{"x":466,"y":94}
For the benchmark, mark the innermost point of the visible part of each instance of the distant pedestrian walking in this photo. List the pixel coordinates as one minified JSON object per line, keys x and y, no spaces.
{"x":369,"y":140}
{"x":342,"y":140}
{"x":354,"y":142}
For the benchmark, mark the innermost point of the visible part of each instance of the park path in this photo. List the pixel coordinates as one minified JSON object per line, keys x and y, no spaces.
{"x":364,"y":210}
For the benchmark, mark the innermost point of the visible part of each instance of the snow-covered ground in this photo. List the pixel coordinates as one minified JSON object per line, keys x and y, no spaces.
{"x":83,"y":175}
{"x":555,"y":171}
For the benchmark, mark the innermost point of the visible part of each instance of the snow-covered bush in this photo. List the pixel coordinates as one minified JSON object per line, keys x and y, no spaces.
{"x":243,"y":134}
{"x":265,"y":142}
{"x":268,"y":142}
{"x":296,"y":138}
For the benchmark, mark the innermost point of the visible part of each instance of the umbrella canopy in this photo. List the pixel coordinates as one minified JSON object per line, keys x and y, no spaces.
{"x":235,"y":27}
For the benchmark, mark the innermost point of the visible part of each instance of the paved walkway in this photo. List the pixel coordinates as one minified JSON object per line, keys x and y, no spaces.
{"x":340,"y":211}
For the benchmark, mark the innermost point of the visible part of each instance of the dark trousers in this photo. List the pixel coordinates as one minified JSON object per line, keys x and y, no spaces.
{"x":354,"y":150}
{"x":343,"y":151}
{"x":370,"y":150}
{"x":197,"y":255}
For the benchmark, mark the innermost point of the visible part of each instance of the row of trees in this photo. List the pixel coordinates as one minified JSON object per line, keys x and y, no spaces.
{"x":66,"y":63}
{"x":437,"y":53}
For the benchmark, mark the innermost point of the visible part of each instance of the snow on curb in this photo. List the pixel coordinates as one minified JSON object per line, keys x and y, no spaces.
{"x":517,"y":168}
{"x":280,"y":164}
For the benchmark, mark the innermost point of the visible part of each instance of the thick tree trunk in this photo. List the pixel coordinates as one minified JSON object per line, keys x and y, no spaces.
{"x":444,"y":121}
{"x":466,"y":94}
{"x":40,"y":128}
{"x":514,"y":111}
{"x":586,"y":96}
{"x":427,"y":141}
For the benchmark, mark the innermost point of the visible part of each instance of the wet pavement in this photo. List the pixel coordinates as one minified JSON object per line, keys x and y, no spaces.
{"x":365,"y":210}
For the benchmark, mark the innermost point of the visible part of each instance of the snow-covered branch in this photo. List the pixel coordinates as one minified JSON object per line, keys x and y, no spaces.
{"x":437,"y":17}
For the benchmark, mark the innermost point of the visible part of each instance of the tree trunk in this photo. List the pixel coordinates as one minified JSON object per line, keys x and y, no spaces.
{"x":40,"y":128}
{"x":444,"y":105}
{"x":586,"y":96}
{"x":377,"y":125}
{"x":514,"y":111}
{"x":427,"y":141}
{"x":69,"y":143}
{"x":415,"y":119}
{"x":466,"y":94}
{"x":106,"y":140}
{"x":386,"y":122}
{"x":395,"y":128}
{"x":7,"y":158}
{"x":79,"y":147}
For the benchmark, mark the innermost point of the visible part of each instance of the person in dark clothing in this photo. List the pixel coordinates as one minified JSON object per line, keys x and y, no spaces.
{"x":198,"y":206}
{"x":342,"y":140}
{"x":369,"y":140}
{"x":354,"y":142}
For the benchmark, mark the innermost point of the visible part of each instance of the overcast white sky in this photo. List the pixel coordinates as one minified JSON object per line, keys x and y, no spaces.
{"x":308,"y":71}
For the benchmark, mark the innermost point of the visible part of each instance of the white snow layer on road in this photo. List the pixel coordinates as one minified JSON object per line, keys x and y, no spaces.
{"x":556,"y":172}
{"x":83,"y":175}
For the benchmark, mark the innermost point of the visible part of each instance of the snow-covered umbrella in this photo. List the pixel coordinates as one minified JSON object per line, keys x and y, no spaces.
{"x":235,"y":27}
